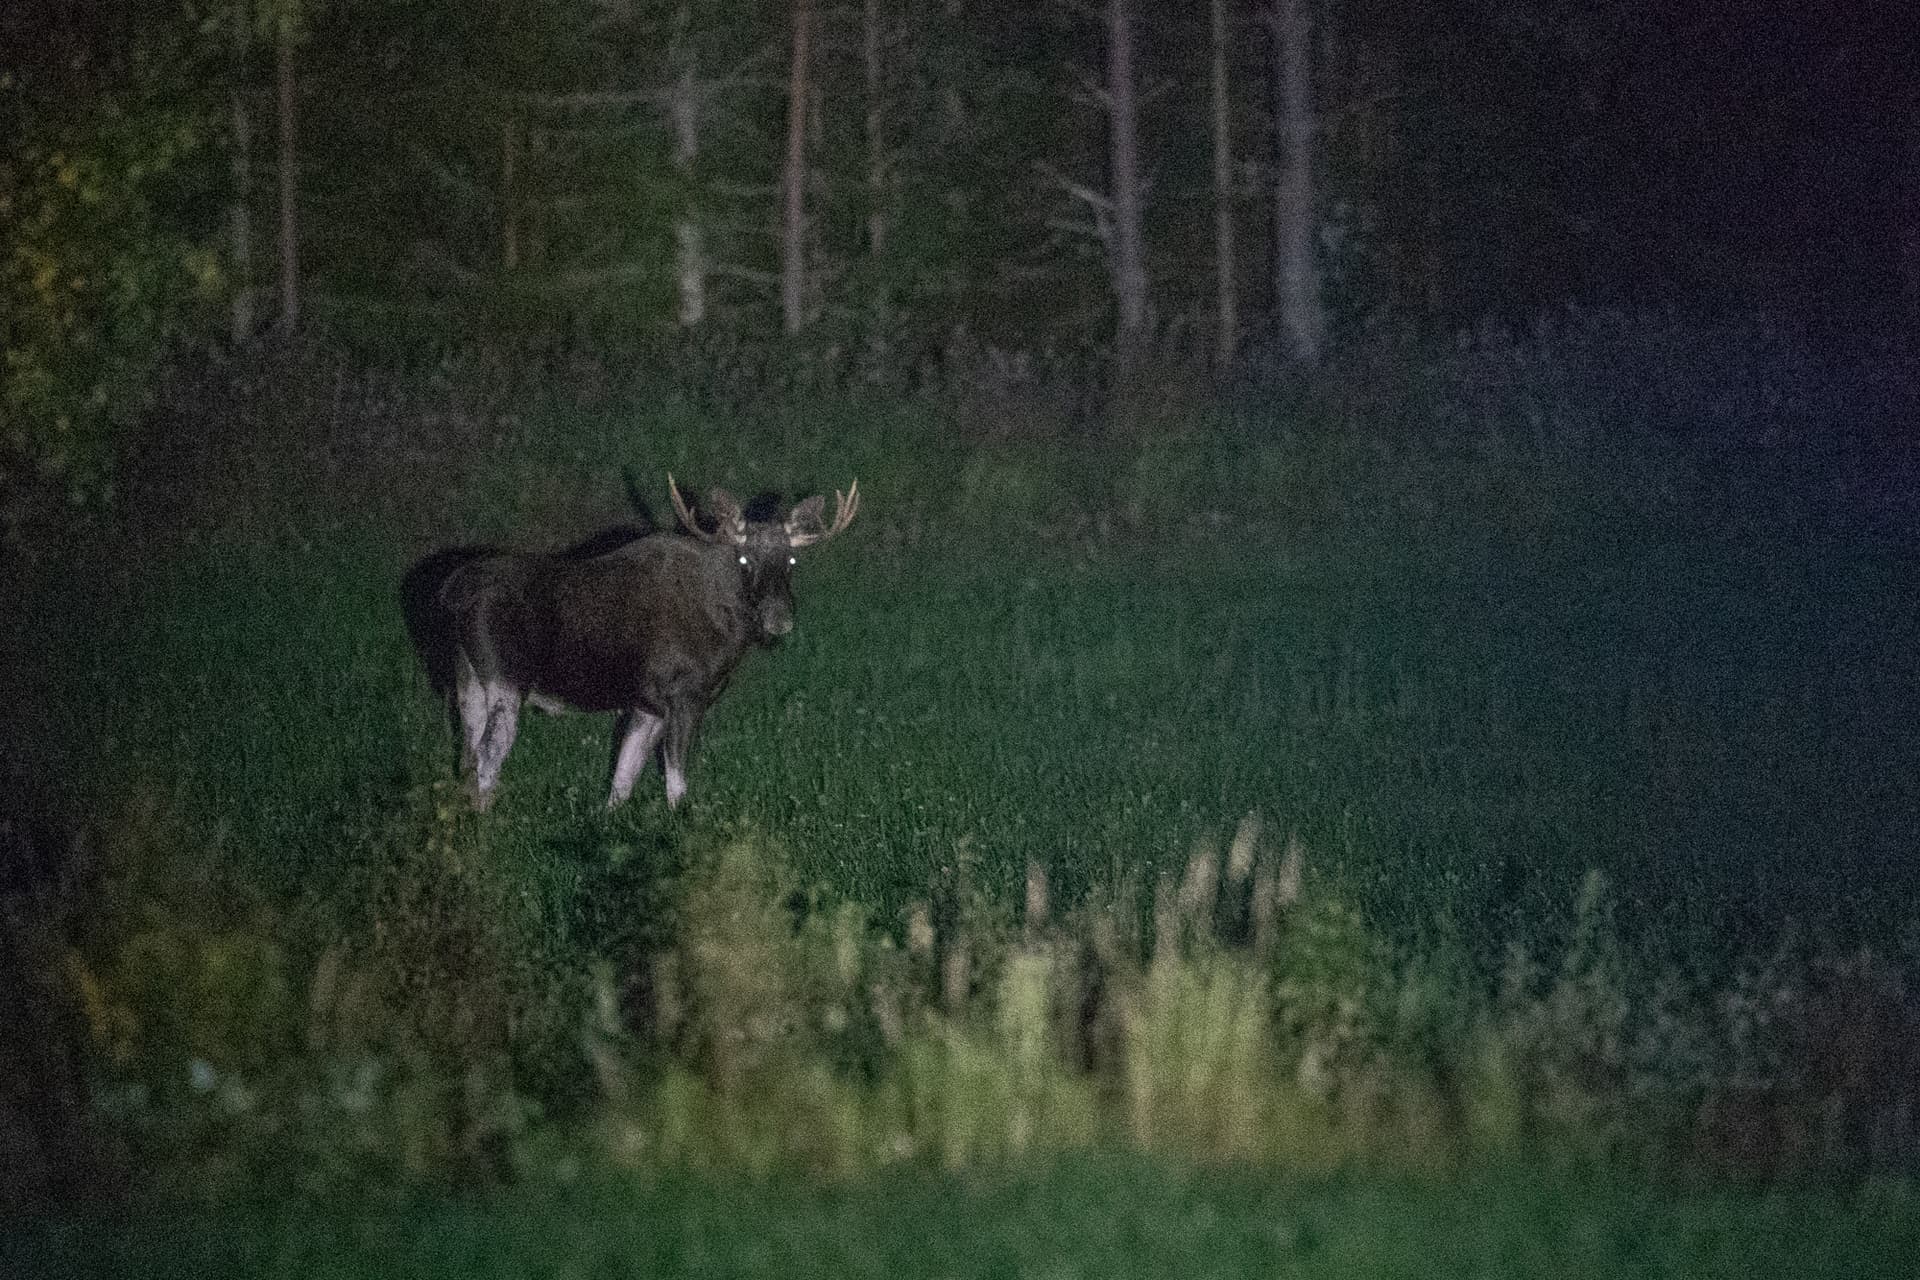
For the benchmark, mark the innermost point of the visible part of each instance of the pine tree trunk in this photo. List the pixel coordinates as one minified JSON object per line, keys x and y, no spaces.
{"x":1129,"y":253}
{"x":1303,"y":324}
{"x":793,"y":231}
{"x":240,"y":214}
{"x":1227,"y":296}
{"x":289,"y":178}
{"x":533,"y":227}
{"x":509,"y":192}
{"x":689,"y":239}
{"x":879,"y":198}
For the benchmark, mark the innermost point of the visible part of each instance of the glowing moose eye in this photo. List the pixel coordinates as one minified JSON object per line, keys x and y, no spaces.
{"x":743,"y":559}
{"x":791,"y":560}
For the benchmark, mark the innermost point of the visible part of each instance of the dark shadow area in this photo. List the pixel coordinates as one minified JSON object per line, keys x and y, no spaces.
{"x":52,"y":1144}
{"x":625,"y":907}
{"x":52,"y":1147}
{"x":39,"y":856}
{"x":765,"y":505}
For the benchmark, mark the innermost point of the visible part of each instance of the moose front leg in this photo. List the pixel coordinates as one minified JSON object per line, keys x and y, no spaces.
{"x":683,"y":722}
{"x":638,"y":733}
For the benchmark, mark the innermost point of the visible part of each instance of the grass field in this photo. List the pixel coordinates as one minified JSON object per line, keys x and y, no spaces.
{"x":1451,"y":730}
{"x":1090,"y":1218}
{"x":1417,"y":807}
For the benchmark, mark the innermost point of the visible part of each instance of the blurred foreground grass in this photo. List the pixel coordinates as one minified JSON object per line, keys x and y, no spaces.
{"x":1089,"y":1217}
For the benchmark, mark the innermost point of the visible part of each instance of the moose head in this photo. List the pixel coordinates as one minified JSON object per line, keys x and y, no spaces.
{"x":763,"y":550}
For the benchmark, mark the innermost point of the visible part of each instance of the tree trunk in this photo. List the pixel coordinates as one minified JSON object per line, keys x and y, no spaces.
{"x":240,"y":214}
{"x":879,"y":197}
{"x":533,"y":226}
{"x":1129,"y":253}
{"x":289,"y":177}
{"x":793,"y":231}
{"x":509,"y":192}
{"x":953,"y":101}
{"x":1303,"y":325}
{"x":1227,"y":296}
{"x":689,"y":238}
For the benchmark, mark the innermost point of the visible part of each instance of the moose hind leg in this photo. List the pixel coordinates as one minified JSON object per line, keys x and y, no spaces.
{"x":470,"y":711}
{"x":638,"y":733}
{"x":503,"y":722}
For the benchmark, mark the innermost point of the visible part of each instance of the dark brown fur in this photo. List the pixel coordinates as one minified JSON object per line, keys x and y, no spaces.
{"x":652,"y":629}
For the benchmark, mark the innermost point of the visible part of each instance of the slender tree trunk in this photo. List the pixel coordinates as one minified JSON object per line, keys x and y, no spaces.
{"x":1303,"y":324}
{"x":510,"y":191}
{"x":958,"y":271}
{"x":793,"y":231}
{"x":689,"y":237}
{"x":289,"y":177}
{"x":240,"y":214}
{"x":533,"y":227}
{"x":1129,"y":253}
{"x":1227,"y":294}
{"x":879,"y":196}
{"x":953,"y":103}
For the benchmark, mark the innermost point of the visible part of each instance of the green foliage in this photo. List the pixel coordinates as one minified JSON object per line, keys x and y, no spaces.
{"x":240,"y":1047}
{"x":181,"y":974}
{"x":1200,"y":1077}
{"x":99,"y":272}
{"x":780,"y":1031}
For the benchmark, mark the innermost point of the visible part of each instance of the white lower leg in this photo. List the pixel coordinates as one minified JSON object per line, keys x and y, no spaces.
{"x":503,"y":717}
{"x":642,"y":732}
{"x":470,"y":697}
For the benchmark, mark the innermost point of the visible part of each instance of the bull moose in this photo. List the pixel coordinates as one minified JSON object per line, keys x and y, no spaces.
{"x":652,"y":630}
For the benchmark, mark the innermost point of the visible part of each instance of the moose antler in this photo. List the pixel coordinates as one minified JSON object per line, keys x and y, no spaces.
{"x":731,"y":528}
{"x":845,"y":505}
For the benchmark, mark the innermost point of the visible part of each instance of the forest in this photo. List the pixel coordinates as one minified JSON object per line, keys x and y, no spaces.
{"x":1349,"y":703}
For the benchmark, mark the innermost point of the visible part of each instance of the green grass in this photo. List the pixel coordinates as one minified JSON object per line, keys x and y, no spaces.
{"x":1714,"y":724}
{"x":1088,"y":1217}
{"x":1461,"y":683}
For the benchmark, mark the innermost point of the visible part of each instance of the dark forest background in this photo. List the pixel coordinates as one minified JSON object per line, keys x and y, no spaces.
{"x":184,"y":174}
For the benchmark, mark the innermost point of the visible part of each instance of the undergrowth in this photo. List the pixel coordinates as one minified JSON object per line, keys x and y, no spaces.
{"x":428,"y":1030}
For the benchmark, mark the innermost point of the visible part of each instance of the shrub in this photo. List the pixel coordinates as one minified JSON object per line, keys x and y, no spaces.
{"x":98,"y":280}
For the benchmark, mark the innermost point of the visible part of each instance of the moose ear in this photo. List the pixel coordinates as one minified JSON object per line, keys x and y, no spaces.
{"x":726,"y":509}
{"x":808,"y":516}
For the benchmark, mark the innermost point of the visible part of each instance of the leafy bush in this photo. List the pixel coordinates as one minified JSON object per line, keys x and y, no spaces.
{"x":180,"y":969}
{"x":100,"y":273}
